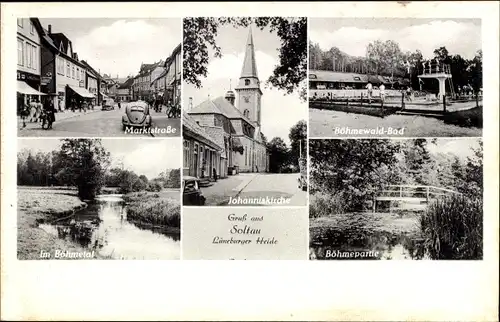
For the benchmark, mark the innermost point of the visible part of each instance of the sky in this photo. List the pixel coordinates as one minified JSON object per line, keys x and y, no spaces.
{"x":279,"y":112}
{"x":146,"y":156}
{"x":119,"y":46}
{"x":352,"y":35}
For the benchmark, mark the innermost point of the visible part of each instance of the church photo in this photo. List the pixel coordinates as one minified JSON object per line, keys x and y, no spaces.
{"x":245,"y":111}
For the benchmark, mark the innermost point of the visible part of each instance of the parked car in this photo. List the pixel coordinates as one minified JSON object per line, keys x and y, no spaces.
{"x":108,"y":104}
{"x":191,"y":192}
{"x":136,"y":115}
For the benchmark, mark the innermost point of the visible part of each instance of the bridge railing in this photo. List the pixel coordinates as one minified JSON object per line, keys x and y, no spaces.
{"x":414,"y":191}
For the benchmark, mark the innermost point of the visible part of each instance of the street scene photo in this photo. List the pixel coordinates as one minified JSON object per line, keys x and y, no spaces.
{"x":244,"y":111}
{"x":98,"y":77}
{"x":98,"y":198}
{"x":396,"y":199}
{"x":378,"y":77}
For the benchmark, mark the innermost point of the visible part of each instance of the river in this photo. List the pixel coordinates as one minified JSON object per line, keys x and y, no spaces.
{"x":103,"y":227}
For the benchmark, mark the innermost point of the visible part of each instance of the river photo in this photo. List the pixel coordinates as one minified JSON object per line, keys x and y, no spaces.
{"x":99,"y":199}
{"x":104,"y":228}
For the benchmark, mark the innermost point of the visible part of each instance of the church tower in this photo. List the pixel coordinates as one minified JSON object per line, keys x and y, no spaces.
{"x":248,"y":89}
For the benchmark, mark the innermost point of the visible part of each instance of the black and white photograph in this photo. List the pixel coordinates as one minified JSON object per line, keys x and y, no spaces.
{"x":98,"y":198}
{"x":395,"y":77}
{"x":245,"y":111}
{"x":396,"y":199}
{"x":98,"y":77}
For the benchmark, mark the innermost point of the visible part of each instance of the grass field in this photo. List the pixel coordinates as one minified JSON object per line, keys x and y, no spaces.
{"x":40,"y":204}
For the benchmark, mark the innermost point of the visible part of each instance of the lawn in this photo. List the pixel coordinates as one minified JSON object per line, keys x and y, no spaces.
{"x":466,"y":118}
{"x":41,"y":204}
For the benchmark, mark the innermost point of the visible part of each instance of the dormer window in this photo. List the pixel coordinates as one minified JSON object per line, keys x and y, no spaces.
{"x":247,"y":82}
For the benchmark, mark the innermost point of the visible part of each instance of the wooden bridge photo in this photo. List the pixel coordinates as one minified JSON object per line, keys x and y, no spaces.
{"x":409,"y":197}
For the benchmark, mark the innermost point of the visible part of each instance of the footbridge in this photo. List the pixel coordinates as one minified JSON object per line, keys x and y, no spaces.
{"x":409,"y":197}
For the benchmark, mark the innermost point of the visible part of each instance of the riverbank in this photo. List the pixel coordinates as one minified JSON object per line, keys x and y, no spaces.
{"x":155,"y":209}
{"x":44,"y":204}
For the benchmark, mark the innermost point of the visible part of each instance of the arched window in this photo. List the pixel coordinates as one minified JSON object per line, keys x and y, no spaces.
{"x":246,"y":113}
{"x":247,"y":82}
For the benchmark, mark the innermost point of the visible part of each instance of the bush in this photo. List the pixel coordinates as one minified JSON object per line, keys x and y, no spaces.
{"x":154,"y":186}
{"x":452,"y":228}
{"x":325,"y":205}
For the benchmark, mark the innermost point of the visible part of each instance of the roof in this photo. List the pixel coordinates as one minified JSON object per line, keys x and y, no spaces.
{"x":217,"y":133}
{"x":91,"y":69}
{"x":127,"y":84}
{"x":249,"y":68}
{"x":148,"y":68}
{"x":220,"y":105}
{"x":329,"y":76}
{"x":198,"y":131}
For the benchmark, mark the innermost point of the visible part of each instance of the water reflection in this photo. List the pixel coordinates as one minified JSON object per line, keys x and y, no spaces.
{"x":360,"y":234}
{"x":103,"y":227}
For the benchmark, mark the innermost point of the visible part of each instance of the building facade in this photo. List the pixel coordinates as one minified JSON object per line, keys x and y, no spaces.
{"x":29,"y":52}
{"x":65,"y":74}
{"x":142,"y":87}
{"x":236,"y":128}
{"x":202,"y":153}
{"x":124,"y":91}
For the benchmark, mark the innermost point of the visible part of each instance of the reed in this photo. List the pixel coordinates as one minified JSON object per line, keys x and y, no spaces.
{"x":452,"y":228}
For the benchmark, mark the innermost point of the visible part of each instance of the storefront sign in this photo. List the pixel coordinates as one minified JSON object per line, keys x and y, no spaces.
{"x":45,"y":80}
{"x":23,"y":76}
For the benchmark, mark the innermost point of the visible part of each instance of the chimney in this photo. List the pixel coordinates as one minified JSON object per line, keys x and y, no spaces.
{"x":50,"y":29}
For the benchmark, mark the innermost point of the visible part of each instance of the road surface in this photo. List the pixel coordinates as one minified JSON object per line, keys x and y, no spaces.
{"x":253,"y":189}
{"x":100,"y":124}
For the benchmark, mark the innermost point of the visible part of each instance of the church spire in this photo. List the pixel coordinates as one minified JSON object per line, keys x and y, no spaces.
{"x":249,"y":65}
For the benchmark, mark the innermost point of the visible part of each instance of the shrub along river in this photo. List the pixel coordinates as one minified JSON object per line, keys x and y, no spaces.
{"x":103,"y":227}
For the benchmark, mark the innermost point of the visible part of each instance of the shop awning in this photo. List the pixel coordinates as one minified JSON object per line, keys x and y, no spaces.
{"x":82,"y":91}
{"x":24,"y":88}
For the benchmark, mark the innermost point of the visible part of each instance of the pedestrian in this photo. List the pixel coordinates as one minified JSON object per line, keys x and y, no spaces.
{"x":25,"y":110}
{"x":382,"y":92}
{"x":215,"y":174}
{"x":119,"y":105}
{"x":409,"y":94}
{"x":50,"y":112}
{"x":369,"y":88}
{"x":33,"y":106}
{"x":39,"y":108}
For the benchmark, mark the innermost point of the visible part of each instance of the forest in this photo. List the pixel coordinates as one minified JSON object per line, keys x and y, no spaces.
{"x":346,"y":174}
{"x":85,"y":164}
{"x":388,"y":59}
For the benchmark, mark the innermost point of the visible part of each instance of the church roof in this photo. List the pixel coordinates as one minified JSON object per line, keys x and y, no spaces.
{"x":220,"y":105}
{"x":249,"y":65}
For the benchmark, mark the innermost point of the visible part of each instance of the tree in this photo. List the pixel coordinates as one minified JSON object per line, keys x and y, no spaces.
{"x":385,"y":56}
{"x":278,"y":155}
{"x":200,"y":33}
{"x":174,"y":178}
{"x":351,"y":170}
{"x":298,"y":141}
{"x":476,"y":71}
{"x":418,"y":160}
{"x":84,"y":165}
